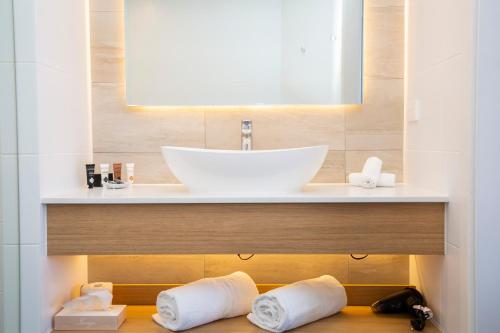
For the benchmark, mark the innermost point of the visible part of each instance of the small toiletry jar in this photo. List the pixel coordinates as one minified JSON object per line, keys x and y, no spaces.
{"x":97,"y":180}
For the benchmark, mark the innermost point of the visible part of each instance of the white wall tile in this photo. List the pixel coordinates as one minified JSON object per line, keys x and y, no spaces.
{"x":62,"y":172}
{"x":2,"y":315}
{"x":31,"y":291}
{"x":27,"y":113}
{"x":62,"y":278}
{"x":458,"y":168}
{"x":455,"y":296}
{"x":6,"y":32}
{"x":443,"y":94}
{"x":52,"y":41}
{"x":9,"y":199}
{"x":10,"y":263}
{"x":429,"y":274}
{"x":438,"y":146}
{"x":30,"y":209}
{"x":8,"y":125}
{"x":2,"y":270}
{"x":25,"y":30}
{"x":63,"y":108}
{"x":438,"y":33}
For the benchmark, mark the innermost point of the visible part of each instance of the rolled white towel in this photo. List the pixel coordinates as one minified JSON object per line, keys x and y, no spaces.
{"x":298,"y":304}
{"x":385,"y":180}
{"x":371,"y":171}
{"x":97,"y":300}
{"x":358,"y":179}
{"x":204,"y":301}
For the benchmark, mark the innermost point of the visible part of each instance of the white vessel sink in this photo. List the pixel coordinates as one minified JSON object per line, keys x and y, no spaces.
{"x":259,"y":172}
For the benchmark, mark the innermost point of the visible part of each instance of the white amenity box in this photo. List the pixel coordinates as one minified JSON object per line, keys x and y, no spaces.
{"x":109,"y":320}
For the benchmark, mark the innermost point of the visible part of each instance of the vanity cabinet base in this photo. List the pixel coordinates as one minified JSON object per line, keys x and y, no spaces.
{"x":321,"y":228}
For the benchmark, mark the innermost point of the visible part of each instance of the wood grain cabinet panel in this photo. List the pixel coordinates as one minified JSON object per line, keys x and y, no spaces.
{"x":372,"y":228}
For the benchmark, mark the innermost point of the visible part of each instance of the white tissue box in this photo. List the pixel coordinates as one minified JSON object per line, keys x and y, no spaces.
{"x":109,"y":320}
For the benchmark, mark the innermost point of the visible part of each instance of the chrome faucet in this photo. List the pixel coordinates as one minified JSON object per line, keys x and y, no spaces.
{"x":246,"y":135}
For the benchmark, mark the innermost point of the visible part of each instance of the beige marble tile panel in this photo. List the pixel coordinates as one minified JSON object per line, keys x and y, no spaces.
{"x":384,"y":42}
{"x":279,"y":127}
{"x":384,"y":3}
{"x":382,"y":108}
{"x":146,"y":269}
{"x":393,"y":161}
{"x":381,"y":269}
{"x":374,"y":140}
{"x":107,"y":5}
{"x":333,"y":170}
{"x":279,"y":268}
{"x":109,"y":98}
{"x":150,"y":168}
{"x":117,"y":128}
{"x":107,"y":29}
{"x":107,"y":42}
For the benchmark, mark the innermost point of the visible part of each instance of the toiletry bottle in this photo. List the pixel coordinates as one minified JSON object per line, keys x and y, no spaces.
{"x":130,"y":172}
{"x":117,"y":170}
{"x":104,"y":172}
{"x":90,"y":168}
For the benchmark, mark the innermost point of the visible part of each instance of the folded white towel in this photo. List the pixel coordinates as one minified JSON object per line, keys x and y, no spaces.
{"x":298,"y":304}
{"x":385,"y":180}
{"x":98,"y":300}
{"x":204,"y":301}
{"x":371,"y":171}
{"x":96,"y":286}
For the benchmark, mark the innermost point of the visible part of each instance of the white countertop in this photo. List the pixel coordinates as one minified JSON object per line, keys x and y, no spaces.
{"x":173,"y":193}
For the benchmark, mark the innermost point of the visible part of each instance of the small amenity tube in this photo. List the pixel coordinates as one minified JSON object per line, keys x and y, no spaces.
{"x":117,"y":170}
{"x":130,"y":172}
{"x":90,"y":168}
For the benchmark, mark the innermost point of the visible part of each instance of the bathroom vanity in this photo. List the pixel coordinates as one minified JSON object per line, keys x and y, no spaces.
{"x":324,"y":218}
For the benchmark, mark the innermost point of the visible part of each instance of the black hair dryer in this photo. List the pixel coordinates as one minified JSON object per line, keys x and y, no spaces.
{"x":408,"y":300}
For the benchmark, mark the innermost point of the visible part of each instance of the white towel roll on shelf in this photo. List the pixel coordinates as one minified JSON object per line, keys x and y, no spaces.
{"x":300,"y":303}
{"x":204,"y":301}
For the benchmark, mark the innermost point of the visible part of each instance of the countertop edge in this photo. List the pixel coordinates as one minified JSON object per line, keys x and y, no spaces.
{"x":317,"y":193}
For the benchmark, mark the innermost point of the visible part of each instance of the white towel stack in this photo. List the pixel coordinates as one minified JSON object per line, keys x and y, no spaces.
{"x":93,"y":301}
{"x":372,"y":176}
{"x":298,"y":304}
{"x":204,"y":301}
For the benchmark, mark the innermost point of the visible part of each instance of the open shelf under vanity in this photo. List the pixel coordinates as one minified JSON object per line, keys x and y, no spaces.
{"x":353,"y":319}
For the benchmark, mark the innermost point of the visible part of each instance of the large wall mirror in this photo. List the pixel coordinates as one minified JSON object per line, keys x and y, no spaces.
{"x":244,"y":52}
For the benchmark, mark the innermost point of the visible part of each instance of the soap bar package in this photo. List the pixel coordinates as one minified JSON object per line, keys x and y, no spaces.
{"x":110,"y":320}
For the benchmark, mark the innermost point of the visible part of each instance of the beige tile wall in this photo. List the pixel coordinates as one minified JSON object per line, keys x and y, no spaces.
{"x":122,"y":134}
{"x":267,"y":268}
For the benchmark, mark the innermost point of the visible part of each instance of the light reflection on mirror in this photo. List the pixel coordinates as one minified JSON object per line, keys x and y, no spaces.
{"x":241,"y":52}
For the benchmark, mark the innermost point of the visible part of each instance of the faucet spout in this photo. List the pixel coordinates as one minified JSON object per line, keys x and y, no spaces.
{"x":246,"y":135}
